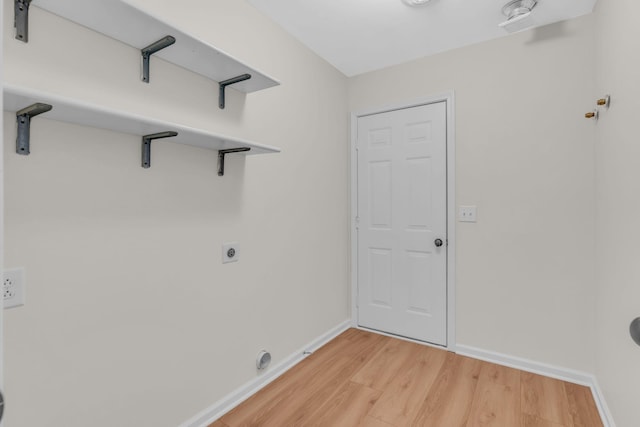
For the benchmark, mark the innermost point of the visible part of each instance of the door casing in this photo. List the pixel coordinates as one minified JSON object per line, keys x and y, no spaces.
{"x":447,"y":97}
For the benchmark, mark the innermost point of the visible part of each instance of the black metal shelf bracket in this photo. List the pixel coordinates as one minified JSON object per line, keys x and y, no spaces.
{"x":225,"y":83}
{"x":150,"y":50}
{"x":146,"y":145}
{"x":24,"y":125}
{"x":21,"y":19}
{"x":222,"y":153}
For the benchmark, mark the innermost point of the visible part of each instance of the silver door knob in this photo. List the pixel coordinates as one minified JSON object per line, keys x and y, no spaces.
{"x":1,"y":405}
{"x":634,"y":330}
{"x":438,"y":242}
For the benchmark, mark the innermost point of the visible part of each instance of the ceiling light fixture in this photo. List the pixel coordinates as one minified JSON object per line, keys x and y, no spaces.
{"x":416,"y":2}
{"x":516,"y":8}
{"x":518,"y":14}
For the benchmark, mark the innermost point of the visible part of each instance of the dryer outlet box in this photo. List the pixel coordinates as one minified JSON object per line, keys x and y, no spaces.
{"x":230,"y":252}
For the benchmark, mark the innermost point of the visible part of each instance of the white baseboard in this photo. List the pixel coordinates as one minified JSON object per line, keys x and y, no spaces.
{"x":241,"y":394}
{"x":564,"y":374}
{"x":598,"y":396}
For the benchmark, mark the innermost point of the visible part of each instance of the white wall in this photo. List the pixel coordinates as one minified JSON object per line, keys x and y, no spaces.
{"x":618,"y":200}
{"x":525,"y":275}
{"x":131,"y":320}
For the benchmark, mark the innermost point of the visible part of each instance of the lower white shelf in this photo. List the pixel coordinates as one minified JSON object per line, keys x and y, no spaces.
{"x":74,"y":111}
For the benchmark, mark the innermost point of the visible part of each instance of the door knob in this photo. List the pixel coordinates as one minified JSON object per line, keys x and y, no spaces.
{"x":1,"y":405}
{"x":634,"y":330}
{"x":438,"y":243}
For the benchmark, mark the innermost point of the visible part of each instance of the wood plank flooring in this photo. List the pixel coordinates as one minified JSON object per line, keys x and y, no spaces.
{"x":362,"y":379}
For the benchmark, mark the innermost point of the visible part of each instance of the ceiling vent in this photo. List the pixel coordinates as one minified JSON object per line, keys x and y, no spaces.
{"x":518,"y":13}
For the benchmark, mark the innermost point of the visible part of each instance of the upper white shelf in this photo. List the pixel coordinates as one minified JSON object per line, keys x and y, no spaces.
{"x":122,"y":21}
{"x":74,"y":111}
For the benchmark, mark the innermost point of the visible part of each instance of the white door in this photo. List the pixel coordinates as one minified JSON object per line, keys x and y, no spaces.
{"x":402,"y":222}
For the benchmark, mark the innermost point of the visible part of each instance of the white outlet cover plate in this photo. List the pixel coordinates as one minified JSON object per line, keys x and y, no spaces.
{"x":467,"y":213}
{"x":226,"y":248}
{"x":14,"y":280}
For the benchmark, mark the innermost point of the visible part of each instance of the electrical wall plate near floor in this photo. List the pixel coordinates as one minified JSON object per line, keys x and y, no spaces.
{"x":13,"y":287}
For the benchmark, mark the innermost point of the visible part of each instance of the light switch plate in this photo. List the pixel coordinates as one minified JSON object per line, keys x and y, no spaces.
{"x":230,"y":252}
{"x":467,"y":214}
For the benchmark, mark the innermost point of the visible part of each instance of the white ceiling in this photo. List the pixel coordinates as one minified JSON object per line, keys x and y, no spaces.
{"x":358,"y":36}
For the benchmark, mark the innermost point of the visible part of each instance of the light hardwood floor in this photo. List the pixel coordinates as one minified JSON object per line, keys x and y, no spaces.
{"x":361,"y":379}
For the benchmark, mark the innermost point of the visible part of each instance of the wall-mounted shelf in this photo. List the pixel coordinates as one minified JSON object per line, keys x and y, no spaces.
{"x":122,"y":21}
{"x":78,"y":112}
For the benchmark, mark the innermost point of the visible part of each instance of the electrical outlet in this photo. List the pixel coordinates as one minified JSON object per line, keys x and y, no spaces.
{"x":230,"y":252}
{"x":13,"y":287}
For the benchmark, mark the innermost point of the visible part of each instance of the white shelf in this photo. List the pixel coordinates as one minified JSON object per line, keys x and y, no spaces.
{"x":122,"y":21}
{"x":81,"y":113}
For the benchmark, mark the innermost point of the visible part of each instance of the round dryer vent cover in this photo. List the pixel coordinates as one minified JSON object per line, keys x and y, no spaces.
{"x":263,"y":359}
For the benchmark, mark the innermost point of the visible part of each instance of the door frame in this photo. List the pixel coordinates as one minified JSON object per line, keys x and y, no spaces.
{"x":2,"y":231}
{"x":448,"y":98}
